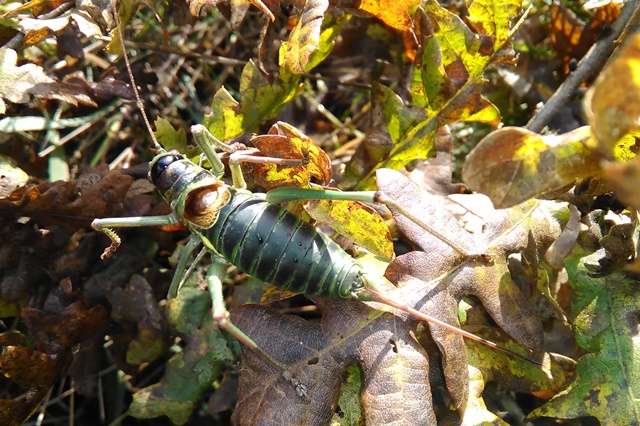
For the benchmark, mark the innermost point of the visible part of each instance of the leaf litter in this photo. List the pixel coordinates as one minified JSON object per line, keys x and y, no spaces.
{"x":49,"y":261}
{"x":395,"y":366}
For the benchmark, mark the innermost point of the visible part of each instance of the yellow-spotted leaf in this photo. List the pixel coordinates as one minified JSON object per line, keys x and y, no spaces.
{"x":512,"y":164}
{"x":304,"y":40}
{"x":454,"y":57}
{"x":311,"y":40}
{"x":613,"y":102}
{"x":446,"y":86}
{"x":356,"y":221}
{"x":287,"y":142}
{"x":604,"y":311}
{"x":260,"y":100}
{"x":612,"y":106}
{"x":411,"y":132}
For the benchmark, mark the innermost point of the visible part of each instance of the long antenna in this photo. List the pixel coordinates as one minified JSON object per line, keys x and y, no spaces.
{"x":374,"y":294}
{"x":428,"y":318}
{"x":147,"y":123}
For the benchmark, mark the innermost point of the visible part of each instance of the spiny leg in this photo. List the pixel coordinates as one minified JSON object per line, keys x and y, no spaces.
{"x":373,"y":289}
{"x":238,"y":154}
{"x":215,"y":274}
{"x":106,"y":226}
{"x":205,"y":141}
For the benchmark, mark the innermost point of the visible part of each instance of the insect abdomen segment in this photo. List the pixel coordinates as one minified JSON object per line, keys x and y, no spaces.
{"x":266,"y":241}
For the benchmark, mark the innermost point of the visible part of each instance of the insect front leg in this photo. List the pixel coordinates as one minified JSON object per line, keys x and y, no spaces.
{"x":374,"y":283}
{"x":206,"y":141}
{"x":215,"y":275}
{"x":106,"y":226}
{"x":238,"y":154}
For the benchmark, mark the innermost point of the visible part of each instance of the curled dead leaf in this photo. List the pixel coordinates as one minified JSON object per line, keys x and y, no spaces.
{"x":512,"y":164}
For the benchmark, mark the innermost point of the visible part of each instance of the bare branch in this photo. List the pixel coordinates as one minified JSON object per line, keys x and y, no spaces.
{"x":593,"y":61}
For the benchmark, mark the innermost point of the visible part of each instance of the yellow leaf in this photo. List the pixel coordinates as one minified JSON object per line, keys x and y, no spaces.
{"x":305,"y":37}
{"x":613,"y":103}
{"x":393,"y":13}
{"x":360,"y":223}
{"x":513,"y":164}
{"x":286,"y":142}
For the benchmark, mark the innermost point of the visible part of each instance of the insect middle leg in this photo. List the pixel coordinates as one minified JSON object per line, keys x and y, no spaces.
{"x":215,"y":276}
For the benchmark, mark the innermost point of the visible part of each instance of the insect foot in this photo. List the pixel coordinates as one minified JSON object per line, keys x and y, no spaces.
{"x":301,"y":389}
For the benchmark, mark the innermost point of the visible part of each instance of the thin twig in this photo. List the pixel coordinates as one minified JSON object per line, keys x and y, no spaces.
{"x":17,"y":41}
{"x":354,"y":84}
{"x":593,"y":61}
{"x":209,"y":58}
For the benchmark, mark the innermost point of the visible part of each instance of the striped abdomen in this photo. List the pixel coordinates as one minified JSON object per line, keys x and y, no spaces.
{"x":266,"y":241}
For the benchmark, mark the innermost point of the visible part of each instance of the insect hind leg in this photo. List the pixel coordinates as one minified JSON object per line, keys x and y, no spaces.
{"x":279,"y":195}
{"x":215,"y":274}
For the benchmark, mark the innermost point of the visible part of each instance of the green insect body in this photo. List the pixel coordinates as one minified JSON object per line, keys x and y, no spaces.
{"x":260,"y":238}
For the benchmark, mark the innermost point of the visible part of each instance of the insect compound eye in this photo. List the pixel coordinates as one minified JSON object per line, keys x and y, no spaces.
{"x":160,"y":165}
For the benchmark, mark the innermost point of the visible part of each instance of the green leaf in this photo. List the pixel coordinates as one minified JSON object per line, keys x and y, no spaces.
{"x":170,"y":139}
{"x":516,"y":374}
{"x":330,"y":31}
{"x":191,"y":372}
{"x":491,"y":18}
{"x":350,"y":407}
{"x":454,"y":59}
{"x":607,"y":380}
{"x":150,"y":403}
{"x":260,"y":101}
{"x":224,"y":122}
{"x":11,"y":309}
{"x":412,"y":134}
{"x":446,"y":86}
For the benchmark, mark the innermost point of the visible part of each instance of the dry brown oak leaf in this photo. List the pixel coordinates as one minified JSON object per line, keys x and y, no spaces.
{"x":396,"y":379}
